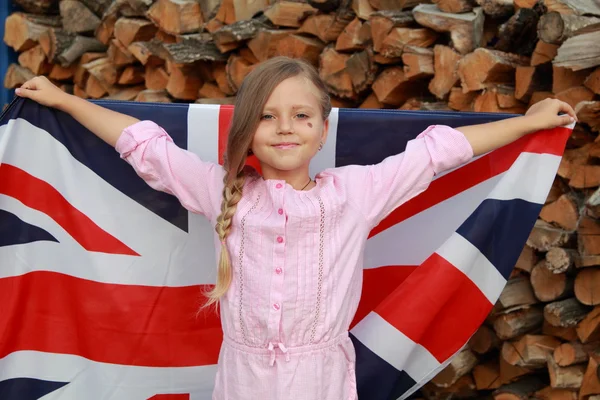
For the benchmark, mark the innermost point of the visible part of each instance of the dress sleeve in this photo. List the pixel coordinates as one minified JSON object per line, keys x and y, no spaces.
{"x":379,"y":189}
{"x":168,"y":168}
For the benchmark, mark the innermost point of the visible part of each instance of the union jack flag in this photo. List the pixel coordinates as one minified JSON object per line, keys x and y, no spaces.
{"x":100,"y":275}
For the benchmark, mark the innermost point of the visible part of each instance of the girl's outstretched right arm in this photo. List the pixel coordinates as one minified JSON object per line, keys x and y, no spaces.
{"x":104,"y":123}
{"x":144,"y":145}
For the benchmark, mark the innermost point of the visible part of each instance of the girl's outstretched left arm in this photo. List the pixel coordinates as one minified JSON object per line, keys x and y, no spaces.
{"x":542,"y":115}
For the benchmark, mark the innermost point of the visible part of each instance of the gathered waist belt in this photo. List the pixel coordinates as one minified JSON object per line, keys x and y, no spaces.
{"x":271,"y":348}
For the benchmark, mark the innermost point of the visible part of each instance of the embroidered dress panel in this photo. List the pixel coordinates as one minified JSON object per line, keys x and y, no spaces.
{"x":297,"y":269}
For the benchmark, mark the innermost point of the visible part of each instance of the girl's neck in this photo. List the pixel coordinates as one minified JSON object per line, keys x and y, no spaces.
{"x":297,"y":179}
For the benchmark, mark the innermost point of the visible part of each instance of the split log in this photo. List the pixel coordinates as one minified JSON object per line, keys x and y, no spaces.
{"x":210,"y":91}
{"x":66,"y":48}
{"x":518,"y":35}
{"x":573,"y":353}
{"x":565,"y":78}
{"x":328,"y":27}
{"x":129,"y":30}
{"x":576,"y":7}
{"x":22,"y":31}
{"x":544,"y":236}
{"x":519,"y":390}
{"x":579,"y":52}
{"x":417,"y":103}
{"x":60,"y":73}
{"x":517,"y":292}
{"x":155,"y":77}
{"x":527,"y":259}
{"x":543,"y":53}
{"x":324,"y":5}
{"x":588,"y":112}
{"x":371,"y":102}
{"x":591,"y":380}
{"x":484,"y":340}
{"x":575,"y":95}
{"x":588,"y":330}
{"x":148,"y":53}
{"x":592,"y":81}
{"x":455,"y":6}
{"x":16,"y":76}
{"x":362,"y":8}
{"x":332,"y":69}
{"x":398,"y":38}
{"x":296,"y":46}
{"x":119,"y":54}
{"x":176,"y":16}
{"x":497,"y":8}
{"x":559,"y":260}
{"x":264,"y":43}
{"x":568,"y":334}
{"x":184,"y":82}
{"x":445,"y":71}
{"x":565,"y":313}
{"x":191,"y":51}
{"x":460,"y":365}
{"x":35,"y":60}
{"x":569,"y":377}
{"x":487,"y":376}
{"x":519,"y":322}
{"x":587,"y":286}
{"x":588,"y":235}
{"x":153,"y":96}
{"x":237,"y":69}
{"x":530,"y":79}
{"x":530,"y":351}
{"x":460,"y":101}
{"x":394,"y":88}
{"x":289,"y":13}
{"x":105,"y":30}
{"x":563,"y":212}
{"x":350,"y":39}
{"x":418,"y":62}
{"x":484,"y":68}
{"x":555,"y":27}
{"x":548,"y":286}
{"x":381,"y":24}
{"x":103,"y":70}
{"x":77,"y":18}
{"x":466,"y":29}
{"x":549,"y":393}
{"x":362,"y":70}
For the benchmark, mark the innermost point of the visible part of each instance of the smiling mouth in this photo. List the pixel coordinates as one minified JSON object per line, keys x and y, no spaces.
{"x":285,"y":146}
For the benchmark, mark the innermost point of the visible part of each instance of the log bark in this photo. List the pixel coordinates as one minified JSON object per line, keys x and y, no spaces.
{"x":459,"y":366}
{"x":516,"y":323}
{"x":484,"y":68}
{"x":555,"y":27}
{"x":573,"y":353}
{"x":23,"y":31}
{"x":466,"y":29}
{"x":66,"y":48}
{"x":570,"y":377}
{"x":497,"y":8}
{"x":332,"y":69}
{"x":362,"y":70}
{"x":176,"y":16}
{"x":77,"y":18}
{"x":521,"y":389}
{"x":38,"y":6}
{"x":579,"y":52}
{"x":16,"y":76}
{"x":565,"y":313}
{"x":530,"y":351}
{"x":519,"y":34}
{"x":549,"y":286}
{"x":35,"y":60}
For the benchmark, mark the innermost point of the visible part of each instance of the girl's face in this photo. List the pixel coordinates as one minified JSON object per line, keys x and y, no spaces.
{"x":291,"y":128}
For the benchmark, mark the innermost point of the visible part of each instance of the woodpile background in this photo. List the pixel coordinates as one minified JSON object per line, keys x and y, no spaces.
{"x":542,"y":339}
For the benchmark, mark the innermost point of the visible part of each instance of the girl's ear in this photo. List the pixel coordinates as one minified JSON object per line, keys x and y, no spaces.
{"x":325,"y":131}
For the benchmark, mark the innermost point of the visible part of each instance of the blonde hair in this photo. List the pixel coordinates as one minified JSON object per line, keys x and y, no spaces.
{"x":250,"y":102}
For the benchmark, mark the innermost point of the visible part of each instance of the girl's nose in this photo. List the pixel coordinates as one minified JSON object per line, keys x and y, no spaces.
{"x":285,"y":126}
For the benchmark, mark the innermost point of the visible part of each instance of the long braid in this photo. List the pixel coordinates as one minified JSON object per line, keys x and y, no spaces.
{"x":232,"y":194}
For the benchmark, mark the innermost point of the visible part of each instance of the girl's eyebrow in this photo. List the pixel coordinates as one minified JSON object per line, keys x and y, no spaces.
{"x":294,"y":107}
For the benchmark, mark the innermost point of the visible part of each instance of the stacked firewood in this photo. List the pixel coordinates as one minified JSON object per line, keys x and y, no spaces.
{"x":542,"y":339}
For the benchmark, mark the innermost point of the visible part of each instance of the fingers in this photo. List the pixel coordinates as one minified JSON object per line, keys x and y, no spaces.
{"x":564,"y":120}
{"x":566,"y":108}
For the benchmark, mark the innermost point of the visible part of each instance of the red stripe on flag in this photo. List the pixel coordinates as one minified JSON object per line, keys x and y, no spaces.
{"x":437,"y":306}
{"x":110,"y":323}
{"x":170,"y":397}
{"x":39,"y":195}
{"x":480,"y":170}
{"x":378,"y":283}
{"x":225,"y":115}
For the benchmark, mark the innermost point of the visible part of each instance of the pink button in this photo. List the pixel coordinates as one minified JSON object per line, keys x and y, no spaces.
{"x":279,"y":239}
{"x":279,"y":186}
{"x":278,"y":270}
{"x":280,"y":211}
{"x":276,"y":306}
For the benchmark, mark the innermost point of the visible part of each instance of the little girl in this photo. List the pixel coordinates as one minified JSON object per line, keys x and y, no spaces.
{"x":291,"y":246}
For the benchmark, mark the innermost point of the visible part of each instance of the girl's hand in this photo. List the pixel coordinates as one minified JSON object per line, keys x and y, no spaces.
{"x":545,"y":114}
{"x":41,"y":90}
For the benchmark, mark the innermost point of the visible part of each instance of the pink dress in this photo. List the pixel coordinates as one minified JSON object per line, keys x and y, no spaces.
{"x":296,"y":256}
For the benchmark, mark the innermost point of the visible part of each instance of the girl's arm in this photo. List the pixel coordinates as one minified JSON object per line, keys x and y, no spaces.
{"x":540,"y":116}
{"x":104,"y":123}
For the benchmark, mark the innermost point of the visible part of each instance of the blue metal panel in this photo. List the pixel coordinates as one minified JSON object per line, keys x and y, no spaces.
{"x":7,"y":54}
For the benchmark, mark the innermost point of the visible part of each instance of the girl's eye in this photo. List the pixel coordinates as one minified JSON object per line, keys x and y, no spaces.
{"x":301,"y":115}
{"x":266,"y":116}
